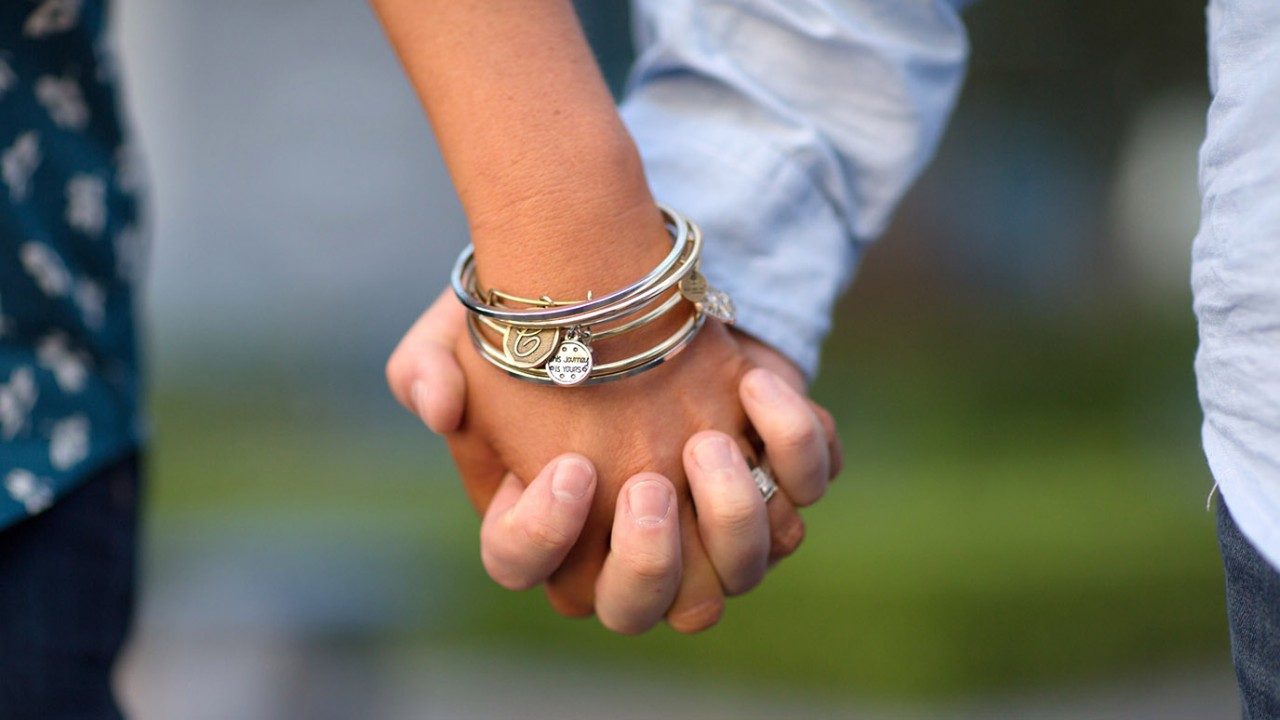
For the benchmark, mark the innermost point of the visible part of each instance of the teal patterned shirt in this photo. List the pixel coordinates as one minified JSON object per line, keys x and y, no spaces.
{"x":70,"y":254}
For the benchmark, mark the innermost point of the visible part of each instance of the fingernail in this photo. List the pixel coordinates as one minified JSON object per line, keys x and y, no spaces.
{"x":570,"y":480}
{"x":650,"y":502}
{"x":419,"y":393}
{"x":713,"y":454}
{"x":764,"y":387}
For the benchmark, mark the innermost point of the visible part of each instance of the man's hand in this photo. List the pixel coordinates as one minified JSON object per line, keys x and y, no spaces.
{"x":557,"y":204}
{"x":665,"y":555}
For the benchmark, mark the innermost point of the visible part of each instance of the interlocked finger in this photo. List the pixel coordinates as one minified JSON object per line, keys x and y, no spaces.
{"x":642,"y":572}
{"x":732,"y":519}
{"x":794,"y":438}
{"x":527,"y":532}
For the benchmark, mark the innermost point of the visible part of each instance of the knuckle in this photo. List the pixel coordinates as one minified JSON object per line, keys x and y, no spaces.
{"x":544,"y":536}
{"x":826,"y":419}
{"x":648,"y":566}
{"x":395,"y":371}
{"x":492,"y":531}
{"x":796,"y":435}
{"x":502,"y":573}
{"x":738,"y":516}
{"x":811,"y":491}
{"x":746,"y":577}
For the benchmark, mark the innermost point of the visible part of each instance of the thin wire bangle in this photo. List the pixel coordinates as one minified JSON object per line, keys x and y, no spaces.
{"x":559,"y":315}
{"x":606,"y":372}
{"x":657,"y":312}
{"x":688,"y":264}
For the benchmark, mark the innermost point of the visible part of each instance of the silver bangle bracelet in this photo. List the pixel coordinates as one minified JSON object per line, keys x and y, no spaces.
{"x":657,"y":312}
{"x":463,"y":273}
{"x":574,"y":314}
{"x":550,"y":341}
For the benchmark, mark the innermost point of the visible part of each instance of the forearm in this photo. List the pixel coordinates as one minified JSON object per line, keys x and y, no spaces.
{"x":548,"y":176}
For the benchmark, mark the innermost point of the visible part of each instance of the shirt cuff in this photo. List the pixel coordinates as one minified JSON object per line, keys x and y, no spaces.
{"x":772,"y":239}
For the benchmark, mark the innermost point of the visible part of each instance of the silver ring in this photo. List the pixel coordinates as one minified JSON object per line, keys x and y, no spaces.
{"x":764,"y":481}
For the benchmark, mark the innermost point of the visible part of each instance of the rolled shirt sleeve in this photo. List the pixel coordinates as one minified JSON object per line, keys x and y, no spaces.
{"x":789,"y":130}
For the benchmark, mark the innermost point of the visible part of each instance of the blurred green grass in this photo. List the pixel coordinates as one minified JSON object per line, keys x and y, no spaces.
{"x":1022,"y":506}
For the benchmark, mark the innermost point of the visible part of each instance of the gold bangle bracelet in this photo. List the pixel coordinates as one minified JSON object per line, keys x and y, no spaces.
{"x":594,"y":374}
{"x":550,"y":341}
{"x":657,"y":312}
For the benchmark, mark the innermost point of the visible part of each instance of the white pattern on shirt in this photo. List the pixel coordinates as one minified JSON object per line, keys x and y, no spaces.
{"x":19,"y":163}
{"x":92,"y":301}
{"x":52,"y":16}
{"x":69,"y":442}
{"x":45,"y":266}
{"x":87,"y":204}
{"x":7,"y":77}
{"x":17,"y":398}
{"x":62,"y":98}
{"x":70,"y":368}
{"x":35,"y":494}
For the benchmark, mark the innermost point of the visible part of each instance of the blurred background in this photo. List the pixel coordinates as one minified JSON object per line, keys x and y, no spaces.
{"x":1020,"y":530}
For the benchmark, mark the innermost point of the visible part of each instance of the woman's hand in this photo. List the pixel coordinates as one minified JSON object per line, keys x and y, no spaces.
{"x":652,"y":547}
{"x":557,"y":204}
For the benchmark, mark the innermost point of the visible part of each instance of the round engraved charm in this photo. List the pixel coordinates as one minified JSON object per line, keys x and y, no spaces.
{"x":572,"y":363}
{"x":694,"y":287}
{"x":718,"y":305}
{"x":529,"y":347}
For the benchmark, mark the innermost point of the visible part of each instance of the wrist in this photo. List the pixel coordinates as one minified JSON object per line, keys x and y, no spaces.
{"x":635,"y":243}
{"x":581,"y":223}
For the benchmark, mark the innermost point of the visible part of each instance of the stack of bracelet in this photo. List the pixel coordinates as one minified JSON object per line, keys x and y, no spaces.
{"x":551,"y":341}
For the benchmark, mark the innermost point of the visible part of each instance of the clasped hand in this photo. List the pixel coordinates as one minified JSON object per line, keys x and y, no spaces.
{"x":634,"y":499}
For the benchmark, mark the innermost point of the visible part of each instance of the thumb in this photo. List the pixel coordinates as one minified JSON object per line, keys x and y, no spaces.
{"x":423,"y":372}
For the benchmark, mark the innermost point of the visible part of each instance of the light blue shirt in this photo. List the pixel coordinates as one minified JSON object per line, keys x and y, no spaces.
{"x":789,"y":129}
{"x":1235,"y":267}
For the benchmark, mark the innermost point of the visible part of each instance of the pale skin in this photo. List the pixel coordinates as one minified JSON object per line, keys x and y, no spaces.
{"x":654,"y":514}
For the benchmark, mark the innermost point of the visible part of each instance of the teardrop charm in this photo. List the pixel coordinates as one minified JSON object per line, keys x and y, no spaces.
{"x":718,"y":305}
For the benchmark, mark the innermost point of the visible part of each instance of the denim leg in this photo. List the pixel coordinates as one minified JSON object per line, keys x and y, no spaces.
{"x":1253,"y":611}
{"x":66,"y":597}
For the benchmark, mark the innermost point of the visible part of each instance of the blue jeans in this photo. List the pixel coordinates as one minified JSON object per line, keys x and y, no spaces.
{"x":1253,"y":611}
{"x":66,"y":598}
